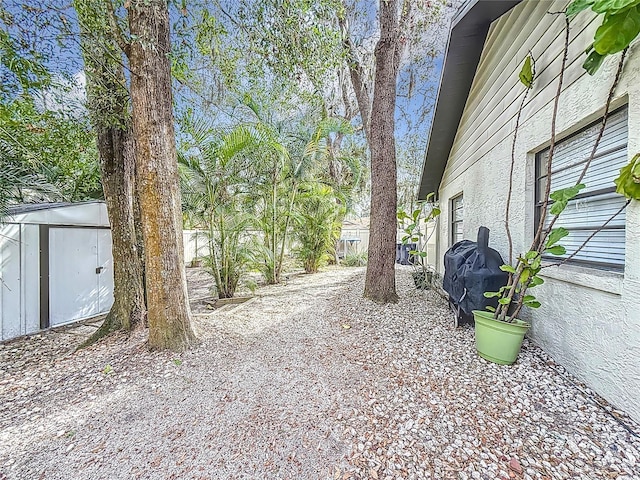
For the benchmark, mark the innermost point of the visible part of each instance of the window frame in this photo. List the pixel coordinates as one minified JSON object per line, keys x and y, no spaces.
{"x":537,"y":188}
{"x":454,"y":223}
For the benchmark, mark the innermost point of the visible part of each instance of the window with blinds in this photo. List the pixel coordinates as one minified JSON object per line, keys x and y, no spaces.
{"x":596,"y":203}
{"x":457,"y":217}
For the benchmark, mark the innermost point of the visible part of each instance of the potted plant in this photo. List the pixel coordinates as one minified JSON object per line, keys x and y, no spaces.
{"x":411,"y":226}
{"x":499,"y":331}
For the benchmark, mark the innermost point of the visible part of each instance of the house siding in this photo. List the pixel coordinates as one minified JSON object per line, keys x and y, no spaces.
{"x":589,"y":321}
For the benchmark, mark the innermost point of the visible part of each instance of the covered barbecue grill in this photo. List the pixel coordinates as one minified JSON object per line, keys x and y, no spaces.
{"x":470,"y":269}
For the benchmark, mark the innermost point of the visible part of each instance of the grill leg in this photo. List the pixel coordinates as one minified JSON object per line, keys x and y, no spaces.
{"x":455,"y":310}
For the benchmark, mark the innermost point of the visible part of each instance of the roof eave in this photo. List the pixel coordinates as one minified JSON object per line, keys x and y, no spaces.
{"x":467,"y":35}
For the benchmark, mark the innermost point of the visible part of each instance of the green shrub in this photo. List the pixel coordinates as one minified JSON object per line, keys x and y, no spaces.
{"x":355,"y":260}
{"x":316,"y":226}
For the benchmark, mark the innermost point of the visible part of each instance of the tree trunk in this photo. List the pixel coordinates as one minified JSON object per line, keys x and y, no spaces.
{"x":116,"y":166}
{"x":157,"y":176}
{"x":380,"y":283}
{"x":108,"y":106}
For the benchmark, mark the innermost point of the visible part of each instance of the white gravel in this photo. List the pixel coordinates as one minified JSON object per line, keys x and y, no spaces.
{"x":308,"y":381}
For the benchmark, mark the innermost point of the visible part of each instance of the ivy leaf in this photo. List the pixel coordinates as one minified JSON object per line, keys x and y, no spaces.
{"x":507,"y":268}
{"x":533,"y":304}
{"x":531,"y":254}
{"x":526,"y":74}
{"x":556,"y":250}
{"x":491,"y":294}
{"x":504,"y":301}
{"x":490,"y":308}
{"x":577,"y":6}
{"x":617,"y":31}
{"x":611,"y":6}
{"x":561,"y":198}
{"x":628,"y":183}
{"x":593,"y":62}
{"x":535,"y":281}
{"x":556,"y":235}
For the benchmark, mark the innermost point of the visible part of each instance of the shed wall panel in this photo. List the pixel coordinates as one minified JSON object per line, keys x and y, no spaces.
{"x":31,"y":278}
{"x":10,"y":315}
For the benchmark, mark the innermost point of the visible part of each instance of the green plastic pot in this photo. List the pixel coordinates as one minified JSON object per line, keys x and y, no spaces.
{"x":496,"y":341}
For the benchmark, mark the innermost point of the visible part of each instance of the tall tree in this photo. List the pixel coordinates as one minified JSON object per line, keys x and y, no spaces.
{"x":108,"y":103}
{"x":51,"y":132}
{"x":157,"y":174}
{"x":283,"y":33}
{"x":380,"y":282}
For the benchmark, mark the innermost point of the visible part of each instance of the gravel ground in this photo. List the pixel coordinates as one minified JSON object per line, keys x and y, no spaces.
{"x":307,"y":381}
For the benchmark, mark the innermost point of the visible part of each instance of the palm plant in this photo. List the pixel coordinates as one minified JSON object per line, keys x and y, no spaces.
{"x":317,"y":225}
{"x":336,"y":165}
{"x":274,"y":187}
{"x":214,"y":172}
{"x":18,"y":182}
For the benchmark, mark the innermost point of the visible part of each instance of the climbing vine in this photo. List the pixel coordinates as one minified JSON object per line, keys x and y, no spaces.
{"x":620,"y":26}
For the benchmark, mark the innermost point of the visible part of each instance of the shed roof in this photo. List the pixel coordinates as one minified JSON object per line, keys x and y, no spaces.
{"x":467,"y":36}
{"x":35,"y":207}
{"x":91,"y":213}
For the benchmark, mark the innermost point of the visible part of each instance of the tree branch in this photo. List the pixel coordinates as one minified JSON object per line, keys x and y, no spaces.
{"x":513,"y":162}
{"x":124,"y":45}
{"x":538,"y":241}
{"x":356,"y":72}
{"x":598,"y":138}
{"x":584,"y":244}
{"x":400,"y":33}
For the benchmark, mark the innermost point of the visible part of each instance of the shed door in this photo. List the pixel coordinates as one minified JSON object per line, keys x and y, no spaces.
{"x":76,"y":288}
{"x":105,"y":278}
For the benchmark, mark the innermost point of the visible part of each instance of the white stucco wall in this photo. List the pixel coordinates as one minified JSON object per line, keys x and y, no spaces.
{"x":590,"y":319}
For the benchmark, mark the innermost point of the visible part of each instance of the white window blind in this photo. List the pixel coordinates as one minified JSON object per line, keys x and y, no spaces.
{"x":457,"y":219}
{"x":596,"y":203}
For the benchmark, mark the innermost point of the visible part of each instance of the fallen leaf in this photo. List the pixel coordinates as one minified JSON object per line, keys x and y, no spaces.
{"x":514,"y":465}
{"x":346,"y":326}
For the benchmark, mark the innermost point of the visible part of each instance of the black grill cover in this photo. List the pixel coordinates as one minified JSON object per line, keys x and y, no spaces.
{"x":470,"y":269}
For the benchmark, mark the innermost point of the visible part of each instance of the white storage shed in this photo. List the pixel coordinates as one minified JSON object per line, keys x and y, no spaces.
{"x":55,"y":266}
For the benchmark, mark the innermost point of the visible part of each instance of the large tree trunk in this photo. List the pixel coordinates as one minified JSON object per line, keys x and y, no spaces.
{"x":116,"y":165}
{"x":157,"y":176}
{"x":110,"y":117}
{"x":380,"y":283}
